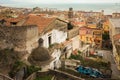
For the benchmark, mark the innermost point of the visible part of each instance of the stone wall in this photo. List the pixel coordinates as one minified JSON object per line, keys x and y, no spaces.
{"x":57,"y":73}
{"x":16,"y":37}
{"x":76,"y":42}
{"x":60,"y":25}
{"x":73,"y":32}
{"x":32,"y":38}
{"x":64,"y":75}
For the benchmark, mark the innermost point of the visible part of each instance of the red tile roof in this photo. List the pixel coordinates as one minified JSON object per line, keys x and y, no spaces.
{"x":79,"y":23}
{"x":13,"y":19}
{"x":116,"y":37}
{"x":38,"y":20}
{"x":2,"y":17}
{"x":18,"y":19}
{"x":9,"y":20}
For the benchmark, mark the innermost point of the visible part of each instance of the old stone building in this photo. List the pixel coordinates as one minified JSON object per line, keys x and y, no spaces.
{"x":20,"y":38}
{"x":73,"y":35}
{"x":11,"y":21}
{"x":114,"y":31}
{"x":70,"y":13}
{"x":51,"y":30}
{"x":114,"y":28}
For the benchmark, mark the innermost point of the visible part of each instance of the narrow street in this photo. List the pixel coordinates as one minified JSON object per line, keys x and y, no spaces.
{"x":107,"y":55}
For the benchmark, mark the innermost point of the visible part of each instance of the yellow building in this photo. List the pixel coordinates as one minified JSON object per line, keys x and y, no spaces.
{"x":97,"y":37}
{"x":91,"y":25}
{"x":106,"y":26}
{"x":91,"y":36}
{"x":86,"y":35}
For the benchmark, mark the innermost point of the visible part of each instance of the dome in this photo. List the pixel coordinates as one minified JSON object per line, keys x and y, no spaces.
{"x":40,"y":56}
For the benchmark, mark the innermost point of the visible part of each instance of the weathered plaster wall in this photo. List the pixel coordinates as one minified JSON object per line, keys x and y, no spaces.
{"x":17,"y":37}
{"x":58,"y":32}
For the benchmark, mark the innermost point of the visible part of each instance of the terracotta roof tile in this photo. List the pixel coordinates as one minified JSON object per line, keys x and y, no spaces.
{"x":79,"y":23}
{"x":18,"y":19}
{"x":2,"y":17}
{"x":40,"y":21}
{"x":116,"y":37}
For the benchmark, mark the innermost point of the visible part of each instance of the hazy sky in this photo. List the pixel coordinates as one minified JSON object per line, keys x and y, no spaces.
{"x":57,"y":1}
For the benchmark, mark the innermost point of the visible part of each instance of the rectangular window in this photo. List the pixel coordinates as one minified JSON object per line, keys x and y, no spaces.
{"x":49,"y":40}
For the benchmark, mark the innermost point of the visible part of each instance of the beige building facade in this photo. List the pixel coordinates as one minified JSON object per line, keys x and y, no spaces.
{"x":114,"y":29}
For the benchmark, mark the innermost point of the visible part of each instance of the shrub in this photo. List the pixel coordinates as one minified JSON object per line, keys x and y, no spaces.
{"x":77,"y":57}
{"x":15,"y":68}
{"x":79,"y":52}
{"x":32,"y":69}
